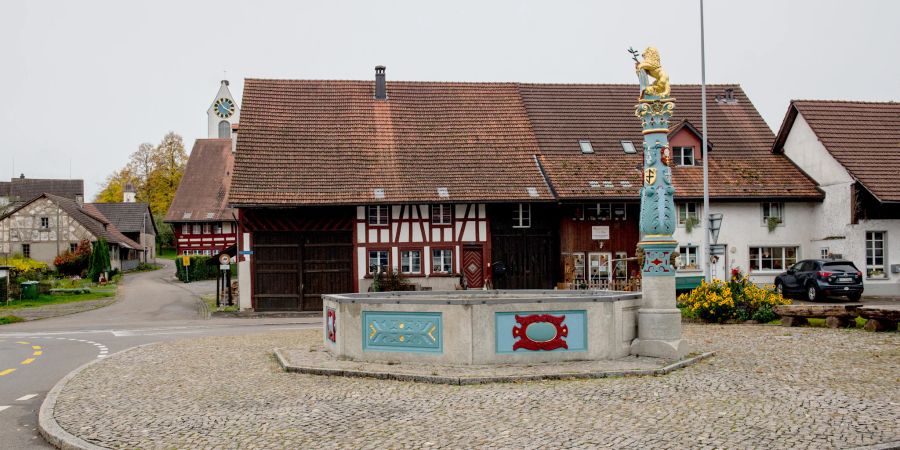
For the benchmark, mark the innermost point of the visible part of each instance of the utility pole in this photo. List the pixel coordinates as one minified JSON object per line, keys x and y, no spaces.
{"x":706,"y":231}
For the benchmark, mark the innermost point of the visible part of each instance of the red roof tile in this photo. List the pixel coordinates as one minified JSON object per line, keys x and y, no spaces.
{"x":328,"y":142}
{"x":863,"y":136}
{"x":202,"y":194}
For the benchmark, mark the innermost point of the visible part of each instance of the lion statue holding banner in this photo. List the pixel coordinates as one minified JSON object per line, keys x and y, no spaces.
{"x":653,"y":67}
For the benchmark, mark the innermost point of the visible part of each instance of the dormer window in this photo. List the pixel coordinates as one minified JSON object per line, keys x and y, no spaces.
{"x":586,"y":146}
{"x":683,"y":156}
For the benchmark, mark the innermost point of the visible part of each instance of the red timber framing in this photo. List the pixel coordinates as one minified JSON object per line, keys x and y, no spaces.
{"x":413,"y":227}
{"x":298,"y":255}
{"x":201,"y":237}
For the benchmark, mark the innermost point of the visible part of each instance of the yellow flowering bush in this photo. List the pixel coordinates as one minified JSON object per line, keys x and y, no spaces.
{"x":28,"y":268}
{"x":710,"y":302}
{"x":738,"y":299}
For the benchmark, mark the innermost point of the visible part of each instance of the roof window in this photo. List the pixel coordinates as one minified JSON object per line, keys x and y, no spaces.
{"x":628,"y":147}
{"x":586,"y":146}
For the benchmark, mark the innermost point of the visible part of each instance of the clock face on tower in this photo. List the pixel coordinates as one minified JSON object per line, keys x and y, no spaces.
{"x":224,"y":108}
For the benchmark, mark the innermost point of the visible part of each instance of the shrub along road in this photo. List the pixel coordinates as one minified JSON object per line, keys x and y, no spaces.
{"x":151,"y":307}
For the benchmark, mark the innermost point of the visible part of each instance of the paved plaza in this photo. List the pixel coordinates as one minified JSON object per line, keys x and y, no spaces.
{"x":767,"y":387}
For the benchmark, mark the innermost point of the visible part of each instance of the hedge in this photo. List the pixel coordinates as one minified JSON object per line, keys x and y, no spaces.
{"x":200,"y":270}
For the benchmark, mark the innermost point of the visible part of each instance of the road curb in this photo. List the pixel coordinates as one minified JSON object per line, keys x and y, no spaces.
{"x":470,"y":380}
{"x":50,"y":429}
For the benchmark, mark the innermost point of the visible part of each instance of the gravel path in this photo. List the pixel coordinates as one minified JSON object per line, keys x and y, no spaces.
{"x":768,"y":387}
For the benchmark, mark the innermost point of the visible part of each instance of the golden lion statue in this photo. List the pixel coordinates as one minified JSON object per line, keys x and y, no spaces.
{"x":652,"y":66}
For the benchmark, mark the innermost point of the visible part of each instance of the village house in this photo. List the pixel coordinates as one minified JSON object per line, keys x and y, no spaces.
{"x":478,"y":185}
{"x":134,"y":220}
{"x":49,"y":225}
{"x":850,"y":149}
{"x":201,"y":219}
{"x":21,"y":189}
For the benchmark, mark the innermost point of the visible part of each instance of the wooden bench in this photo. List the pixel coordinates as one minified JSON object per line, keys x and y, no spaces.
{"x":836,"y":316}
{"x":880,"y":317}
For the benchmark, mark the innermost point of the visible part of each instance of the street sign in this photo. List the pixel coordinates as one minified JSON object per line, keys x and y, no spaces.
{"x":224,"y":266}
{"x":246,"y":252}
{"x":224,"y":259}
{"x":185,"y":260}
{"x":599,"y":232}
{"x":717,"y":249}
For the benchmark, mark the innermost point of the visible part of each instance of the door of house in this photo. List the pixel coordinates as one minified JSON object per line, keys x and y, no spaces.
{"x":293,"y":270}
{"x":718,"y":267}
{"x":473,"y":266}
{"x":278,"y":258}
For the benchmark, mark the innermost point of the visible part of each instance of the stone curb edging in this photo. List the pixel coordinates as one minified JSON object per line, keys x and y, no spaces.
{"x":47,"y":424}
{"x":461,"y":381}
{"x":885,"y":446}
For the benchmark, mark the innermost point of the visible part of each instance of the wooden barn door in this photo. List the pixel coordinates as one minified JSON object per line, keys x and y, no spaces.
{"x":473,"y":267}
{"x":327,"y":266}
{"x":278,"y":271}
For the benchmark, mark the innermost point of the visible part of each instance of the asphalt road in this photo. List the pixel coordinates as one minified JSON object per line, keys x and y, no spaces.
{"x":151,"y":307}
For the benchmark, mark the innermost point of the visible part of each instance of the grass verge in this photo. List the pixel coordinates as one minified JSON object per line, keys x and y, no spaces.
{"x":167,"y":253}
{"x":10,"y":319}
{"x":44,"y":300}
{"x":210,"y":300}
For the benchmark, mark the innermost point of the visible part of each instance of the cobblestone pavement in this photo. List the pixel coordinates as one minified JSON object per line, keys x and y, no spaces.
{"x":768,"y":387}
{"x":60,"y":309}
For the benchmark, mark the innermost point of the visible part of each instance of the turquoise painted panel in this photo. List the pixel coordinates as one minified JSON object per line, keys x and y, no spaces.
{"x":402,"y":332}
{"x":575,"y":323}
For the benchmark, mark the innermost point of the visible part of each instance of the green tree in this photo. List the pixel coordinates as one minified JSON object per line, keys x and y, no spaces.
{"x":99,"y":260}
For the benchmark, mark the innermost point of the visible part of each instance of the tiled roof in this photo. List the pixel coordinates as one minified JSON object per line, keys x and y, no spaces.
{"x":326,"y":142}
{"x":741,"y":165}
{"x":203,"y":193}
{"x":128,"y":217}
{"x":5,"y":187}
{"x":863,"y":136}
{"x":88,"y":216}
{"x":24,"y":189}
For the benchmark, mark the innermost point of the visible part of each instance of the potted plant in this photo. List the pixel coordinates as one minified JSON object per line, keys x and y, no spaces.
{"x":690,"y":222}
{"x":772,"y":223}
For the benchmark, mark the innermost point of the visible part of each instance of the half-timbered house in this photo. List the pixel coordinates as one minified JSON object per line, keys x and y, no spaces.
{"x":480,"y":185}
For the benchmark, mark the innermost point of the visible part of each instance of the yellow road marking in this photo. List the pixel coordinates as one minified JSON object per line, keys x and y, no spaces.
{"x":7,"y":372}
{"x":36,"y":347}
{"x":23,"y":342}
{"x":37,"y":353}
{"x":28,"y":361}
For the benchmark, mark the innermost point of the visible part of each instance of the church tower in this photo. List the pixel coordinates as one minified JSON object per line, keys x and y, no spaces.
{"x":223,"y":113}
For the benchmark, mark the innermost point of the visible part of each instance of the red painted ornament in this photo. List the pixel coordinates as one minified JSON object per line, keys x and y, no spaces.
{"x":331,"y":324}
{"x":527,"y":343}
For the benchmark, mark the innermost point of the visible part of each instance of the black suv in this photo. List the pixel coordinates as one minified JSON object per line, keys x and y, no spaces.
{"x":820,"y":278}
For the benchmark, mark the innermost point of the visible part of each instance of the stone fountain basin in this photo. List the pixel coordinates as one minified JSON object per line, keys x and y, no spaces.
{"x":480,"y":327}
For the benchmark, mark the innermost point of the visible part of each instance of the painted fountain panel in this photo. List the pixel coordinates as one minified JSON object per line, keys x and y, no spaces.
{"x":480,"y":327}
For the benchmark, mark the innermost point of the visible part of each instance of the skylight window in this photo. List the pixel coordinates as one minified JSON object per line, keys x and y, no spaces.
{"x":628,"y":146}
{"x":210,"y":215}
{"x":443,"y":192}
{"x":625,"y":184}
{"x":532,"y":192}
{"x":186,"y":215}
{"x":378,"y":193}
{"x":594,"y":184}
{"x":586,"y":146}
{"x":607,"y":184}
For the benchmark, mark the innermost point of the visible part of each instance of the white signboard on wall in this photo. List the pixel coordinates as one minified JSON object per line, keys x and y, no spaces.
{"x":600,"y":232}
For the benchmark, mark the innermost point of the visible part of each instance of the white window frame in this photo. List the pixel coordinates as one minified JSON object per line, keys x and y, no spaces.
{"x":377,"y":253}
{"x":26,"y":250}
{"x":684,"y":211}
{"x":381,"y":216}
{"x":678,"y":155}
{"x":522,"y":216}
{"x":410,"y":264}
{"x":599,"y":211}
{"x":73,"y":247}
{"x":824,"y":252}
{"x":217,"y":228}
{"x":197,"y":229}
{"x":686,"y":255}
{"x":441,"y":214}
{"x":185,"y":228}
{"x":872,"y":263}
{"x":757,"y":253}
{"x":765,"y":215}
{"x":442,"y":260}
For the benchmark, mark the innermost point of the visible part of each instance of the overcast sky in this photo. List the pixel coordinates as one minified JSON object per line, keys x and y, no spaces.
{"x":88,"y":81}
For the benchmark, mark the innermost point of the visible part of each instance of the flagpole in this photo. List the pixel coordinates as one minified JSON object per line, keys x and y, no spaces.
{"x":705,"y":227}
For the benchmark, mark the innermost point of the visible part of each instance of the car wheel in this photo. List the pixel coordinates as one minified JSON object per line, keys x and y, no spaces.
{"x":812,"y":293}
{"x":854,"y":297}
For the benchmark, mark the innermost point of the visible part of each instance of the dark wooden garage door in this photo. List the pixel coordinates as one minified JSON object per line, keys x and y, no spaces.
{"x":293,"y":270}
{"x":530,"y":255}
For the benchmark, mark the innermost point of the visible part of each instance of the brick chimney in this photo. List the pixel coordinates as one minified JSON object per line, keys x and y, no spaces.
{"x":380,"y":84}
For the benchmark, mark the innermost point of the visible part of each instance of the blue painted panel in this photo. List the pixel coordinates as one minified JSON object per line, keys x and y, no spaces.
{"x":575,"y":322}
{"x":402,"y":332}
